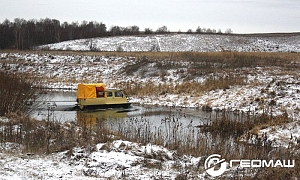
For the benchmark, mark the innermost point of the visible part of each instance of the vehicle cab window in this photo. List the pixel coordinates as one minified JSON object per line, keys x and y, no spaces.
{"x":109,"y":94}
{"x":100,"y":94}
{"x":118,"y":94}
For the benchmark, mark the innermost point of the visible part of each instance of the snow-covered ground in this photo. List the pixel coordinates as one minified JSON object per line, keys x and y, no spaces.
{"x":184,"y":42}
{"x":123,"y":159}
{"x":116,"y":160}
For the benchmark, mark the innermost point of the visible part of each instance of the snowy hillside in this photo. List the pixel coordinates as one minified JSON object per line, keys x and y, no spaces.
{"x":184,"y":42}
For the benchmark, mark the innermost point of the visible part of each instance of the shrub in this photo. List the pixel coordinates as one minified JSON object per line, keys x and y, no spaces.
{"x":16,"y":92}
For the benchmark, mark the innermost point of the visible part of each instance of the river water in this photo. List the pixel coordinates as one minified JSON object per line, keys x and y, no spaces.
{"x":57,"y":106}
{"x":137,"y":121}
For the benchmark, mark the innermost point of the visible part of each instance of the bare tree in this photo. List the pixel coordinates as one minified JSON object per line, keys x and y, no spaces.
{"x":198,"y":30}
{"x":228,"y":31}
{"x":189,"y":31}
{"x":162,"y":29}
{"x":148,"y":31}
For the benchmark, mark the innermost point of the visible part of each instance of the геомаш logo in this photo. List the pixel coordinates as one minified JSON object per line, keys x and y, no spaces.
{"x":215,"y":166}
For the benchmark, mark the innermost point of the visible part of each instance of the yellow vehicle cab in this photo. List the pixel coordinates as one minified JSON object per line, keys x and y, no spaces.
{"x":95,"y":96}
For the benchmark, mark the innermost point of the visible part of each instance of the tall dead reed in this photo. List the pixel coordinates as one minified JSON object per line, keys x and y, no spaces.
{"x":46,"y":136}
{"x":17,"y":92}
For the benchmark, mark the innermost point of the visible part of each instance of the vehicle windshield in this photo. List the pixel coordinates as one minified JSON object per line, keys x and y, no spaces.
{"x":118,"y":94}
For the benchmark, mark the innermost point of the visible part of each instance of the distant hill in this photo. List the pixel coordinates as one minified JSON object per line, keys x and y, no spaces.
{"x":278,"y":42}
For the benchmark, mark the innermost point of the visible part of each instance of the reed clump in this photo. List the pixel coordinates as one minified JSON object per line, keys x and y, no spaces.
{"x":238,"y":124}
{"x":47,"y":136}
{"x":17,"y":92}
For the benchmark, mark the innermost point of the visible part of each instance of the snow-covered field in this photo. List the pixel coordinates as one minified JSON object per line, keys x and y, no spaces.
{"x":184,"y":42}
{"x":123,"y":159}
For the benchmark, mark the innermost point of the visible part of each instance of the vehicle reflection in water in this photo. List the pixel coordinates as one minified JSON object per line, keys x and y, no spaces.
{"x":91,"y":117}
{"x":157,"y":115}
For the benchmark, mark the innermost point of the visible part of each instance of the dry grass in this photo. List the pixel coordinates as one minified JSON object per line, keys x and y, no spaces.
{"x":46,"y":136}
{"x":244,"y":123}
{"x":262,"y":58}
{"x":188,"y":87}
{"x":17,"y":92}
{"x":220,"y":70}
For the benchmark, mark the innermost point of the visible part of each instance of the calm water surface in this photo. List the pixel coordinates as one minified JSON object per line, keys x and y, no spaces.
{"x":135,"y":121}
{"x":57,"y":106}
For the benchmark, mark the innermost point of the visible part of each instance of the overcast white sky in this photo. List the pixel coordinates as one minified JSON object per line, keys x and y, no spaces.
{"x":242,"y":16}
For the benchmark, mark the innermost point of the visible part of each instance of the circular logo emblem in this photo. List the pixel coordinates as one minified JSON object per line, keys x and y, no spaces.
{"x":211,"y":162}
